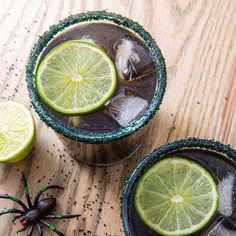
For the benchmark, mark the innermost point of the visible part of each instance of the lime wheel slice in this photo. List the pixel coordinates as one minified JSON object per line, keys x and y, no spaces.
{"x":17,"y":131}
{"x":176,"y":196}
{"x":76,"y":78}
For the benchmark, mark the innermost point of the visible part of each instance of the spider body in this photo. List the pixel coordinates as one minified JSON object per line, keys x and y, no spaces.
{"x":42,"y":209}
{"x":36,"y":212}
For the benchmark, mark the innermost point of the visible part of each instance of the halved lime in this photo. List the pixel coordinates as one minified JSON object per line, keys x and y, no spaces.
{"x":176,"y":196}
{"x":76,"y":78}
{"x":17,"y":131}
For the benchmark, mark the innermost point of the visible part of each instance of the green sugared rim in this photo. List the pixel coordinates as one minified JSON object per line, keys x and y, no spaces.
{"x":152,"y":158}
{"x":92,"y":137}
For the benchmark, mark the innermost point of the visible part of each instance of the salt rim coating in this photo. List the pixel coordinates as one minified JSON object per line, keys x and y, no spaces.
{"x":149,"y":160}
{"x":92,"y":137}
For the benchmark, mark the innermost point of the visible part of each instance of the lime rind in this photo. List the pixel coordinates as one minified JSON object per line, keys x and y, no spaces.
{"x":192,"y":229}
{"x":24,"y":149}
{"x":88,"y":108}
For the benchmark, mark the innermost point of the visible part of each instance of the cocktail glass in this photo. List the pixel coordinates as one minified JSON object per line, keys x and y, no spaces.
{"x":217,"y":158}
{"x":96,"y":138}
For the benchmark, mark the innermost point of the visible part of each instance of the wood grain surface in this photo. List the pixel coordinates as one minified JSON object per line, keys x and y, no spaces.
{"x":197,"y":38}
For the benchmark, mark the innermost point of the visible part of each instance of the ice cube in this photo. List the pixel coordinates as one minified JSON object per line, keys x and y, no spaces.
{"x":74,"y":120}
{"x":223,"y":228}
{"x":132,"y":59}
{"x":227,"y":196}
{"x":126,"y":107}
{"x":88,"y":39}
{"x":125,"y":57}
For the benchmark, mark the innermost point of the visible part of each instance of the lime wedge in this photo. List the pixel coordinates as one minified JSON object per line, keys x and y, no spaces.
{"x":76,"y":78}
{"x":17,"y":132}
{"x":176,"y":196}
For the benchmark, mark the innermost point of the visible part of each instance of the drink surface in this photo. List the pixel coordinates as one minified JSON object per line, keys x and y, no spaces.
{"x":136,"y":72}
{"x":224,"y":172}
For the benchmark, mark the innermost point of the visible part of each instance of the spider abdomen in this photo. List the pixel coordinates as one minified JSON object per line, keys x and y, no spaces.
{"x":46,"y":205}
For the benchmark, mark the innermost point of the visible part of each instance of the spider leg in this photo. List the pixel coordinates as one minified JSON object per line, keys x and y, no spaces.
{"x":40,"y":229}
{"x":44,"y":189}
{"x":26,"y":190}
{"x":59,"y":217}
{"x":52,"y":228}
{"x":6,"y":196}
{"x":7,"y":211}
{"x":30,"y":231}
{"x":21,"y":230}
{"x":15,"y":218}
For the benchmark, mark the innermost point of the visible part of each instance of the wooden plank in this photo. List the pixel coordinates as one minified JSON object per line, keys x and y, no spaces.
{"x":197,"y":39}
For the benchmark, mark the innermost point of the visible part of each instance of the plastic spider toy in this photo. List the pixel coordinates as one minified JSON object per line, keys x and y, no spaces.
{"x":36,"y":212}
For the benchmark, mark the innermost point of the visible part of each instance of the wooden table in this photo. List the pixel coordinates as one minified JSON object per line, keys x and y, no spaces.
{"x":198,"y":41}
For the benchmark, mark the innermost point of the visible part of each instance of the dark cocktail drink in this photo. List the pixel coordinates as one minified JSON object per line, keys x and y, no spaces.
{"x":136,"y":86}
{"x":216,"y":158}
{"x":116,"y":129}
